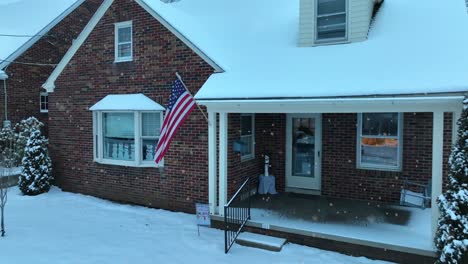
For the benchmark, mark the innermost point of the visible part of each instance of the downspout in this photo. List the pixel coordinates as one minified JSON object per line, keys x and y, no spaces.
{"x":4,"y":77}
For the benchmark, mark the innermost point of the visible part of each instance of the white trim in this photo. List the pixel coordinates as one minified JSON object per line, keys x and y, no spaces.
{"x":316,"y":182}
{"x":251,"y":155}
{"x":180,"y":36}
{"x":223,"y":161}
{"x":212,"y":181}
{"x":49,"y":85}
{"x":437,"y":168}
{"x":138,"y":123}
{"x":337,"y":105}
{"x":117,"y":26}
{"x":45,"y":94}
{"x":399,"y":137}
{"x":38,"y":36}
{"x":455,"y":116}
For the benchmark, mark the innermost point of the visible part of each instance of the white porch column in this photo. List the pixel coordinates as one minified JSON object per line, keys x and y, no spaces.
{"x":223,"y":148}
{"x":455,"y":116}
{"x":437,"y":168}
{"x":212,"y":162}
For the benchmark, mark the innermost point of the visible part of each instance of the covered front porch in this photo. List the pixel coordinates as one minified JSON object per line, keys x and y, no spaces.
{"x":342,"y":201}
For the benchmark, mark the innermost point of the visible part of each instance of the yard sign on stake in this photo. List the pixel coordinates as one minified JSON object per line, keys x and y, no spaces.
{"x":203,"y":215}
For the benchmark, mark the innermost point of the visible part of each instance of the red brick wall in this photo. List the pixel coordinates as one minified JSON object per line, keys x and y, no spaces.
{"x":25,"y":81}
{"x":341,"y":178}
{"x":269,"y":139}
{"x":91,"y":75}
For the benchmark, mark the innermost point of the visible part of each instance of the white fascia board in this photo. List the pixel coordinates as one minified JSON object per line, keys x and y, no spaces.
{"x":38,"y":36}
{"x":179,"y":35}
{"x":49,"y":85}
{"x":338,"y":105}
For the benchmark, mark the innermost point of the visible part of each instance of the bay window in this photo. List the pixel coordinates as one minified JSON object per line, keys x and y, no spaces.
{"x":126,"y":130}
{"x":379,"y":143}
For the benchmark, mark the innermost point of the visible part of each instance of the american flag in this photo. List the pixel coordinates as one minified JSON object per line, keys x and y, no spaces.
{"x":181,"y":103}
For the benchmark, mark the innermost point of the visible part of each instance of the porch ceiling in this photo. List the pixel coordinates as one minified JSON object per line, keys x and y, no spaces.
{"x":451,"y":103}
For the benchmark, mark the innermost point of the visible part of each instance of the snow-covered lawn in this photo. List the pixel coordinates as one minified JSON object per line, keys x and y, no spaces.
{"x":61,"y":227}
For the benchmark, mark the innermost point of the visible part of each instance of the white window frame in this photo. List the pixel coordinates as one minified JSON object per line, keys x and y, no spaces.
{"x":117,"y":43}
{"x":98,"y":139}
{"x":399,"y":137}
{"x":46,"y":95}
{"x":251,"y":155}
{"x":331,"y":40}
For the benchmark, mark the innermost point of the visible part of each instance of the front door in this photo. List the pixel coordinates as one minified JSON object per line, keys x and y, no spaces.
{"x":303,"y":146}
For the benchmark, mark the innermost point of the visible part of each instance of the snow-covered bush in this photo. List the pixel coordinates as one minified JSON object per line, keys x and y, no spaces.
{"x":35,"y":177}
{"x":8,"y":151}
{"x":23,"y":130}
{"x":452,"y":233}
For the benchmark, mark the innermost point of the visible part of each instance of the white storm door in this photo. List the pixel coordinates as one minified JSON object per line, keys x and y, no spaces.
{"x":303,"y":147}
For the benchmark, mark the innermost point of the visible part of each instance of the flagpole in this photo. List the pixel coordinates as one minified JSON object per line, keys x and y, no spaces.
{"x":183,"y":84}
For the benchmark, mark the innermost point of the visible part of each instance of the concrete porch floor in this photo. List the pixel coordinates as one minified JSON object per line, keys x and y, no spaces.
{"x":372,"y":223}
{"x":321,"y":209}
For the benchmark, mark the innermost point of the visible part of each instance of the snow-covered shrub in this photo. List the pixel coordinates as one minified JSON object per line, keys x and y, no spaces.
{"x":452,"y":233}
{"x":35,"y":177}
{"x":8,"y":151}
{"x":23,"y":130}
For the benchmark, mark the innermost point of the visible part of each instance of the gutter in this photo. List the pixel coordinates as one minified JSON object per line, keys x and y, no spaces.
{"x":4,"y":77}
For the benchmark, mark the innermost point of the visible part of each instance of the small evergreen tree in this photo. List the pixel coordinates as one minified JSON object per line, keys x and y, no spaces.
{"x":23,"y":130}
{"x":452,"y":233}
{"x":36,"y":174}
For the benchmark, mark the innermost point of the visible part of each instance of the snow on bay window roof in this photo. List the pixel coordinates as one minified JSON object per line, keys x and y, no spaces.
{"x":413,"y":47}
{"x":126,"y":102}
{"x":23,"y":21}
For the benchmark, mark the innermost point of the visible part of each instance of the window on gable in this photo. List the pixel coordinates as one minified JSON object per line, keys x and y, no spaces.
{"x":44,"y":102}
{"x":247,"y":136}
{"x":123,"y":41}
{"x":331,"y":20}
{"x":379,"y":141}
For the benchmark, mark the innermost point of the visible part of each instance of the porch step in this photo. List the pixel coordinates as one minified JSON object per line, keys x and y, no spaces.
{"x":260,"y":241}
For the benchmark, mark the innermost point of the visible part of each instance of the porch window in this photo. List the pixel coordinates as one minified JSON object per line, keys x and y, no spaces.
{"x":247,"y":136}
{"x":379,"y":141}
{"x":331,"y":21}
{"x":123,"y":41}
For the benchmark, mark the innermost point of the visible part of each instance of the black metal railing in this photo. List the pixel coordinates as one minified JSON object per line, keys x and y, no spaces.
{"x":236,"y":214}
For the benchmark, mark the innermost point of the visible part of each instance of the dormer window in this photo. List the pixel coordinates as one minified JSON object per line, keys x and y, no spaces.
{"x":123,"y":41}
{"x":331,"y":21}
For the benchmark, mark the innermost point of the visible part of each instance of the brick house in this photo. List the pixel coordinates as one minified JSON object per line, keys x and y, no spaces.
{"x":365,"y":113}
{"x":30,"y":50}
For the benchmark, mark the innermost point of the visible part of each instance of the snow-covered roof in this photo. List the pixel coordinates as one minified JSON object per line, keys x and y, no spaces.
{"x":417,"y":46}
{"x":120,"y":102}
{"x":24,"y":21}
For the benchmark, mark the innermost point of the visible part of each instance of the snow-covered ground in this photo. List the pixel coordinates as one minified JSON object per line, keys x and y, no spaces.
{"x":61,"y":227}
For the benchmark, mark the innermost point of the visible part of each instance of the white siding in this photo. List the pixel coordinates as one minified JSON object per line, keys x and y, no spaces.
{"x":307,"y":23}
{"x":360,"y":14}
{"x":359,"y":17}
